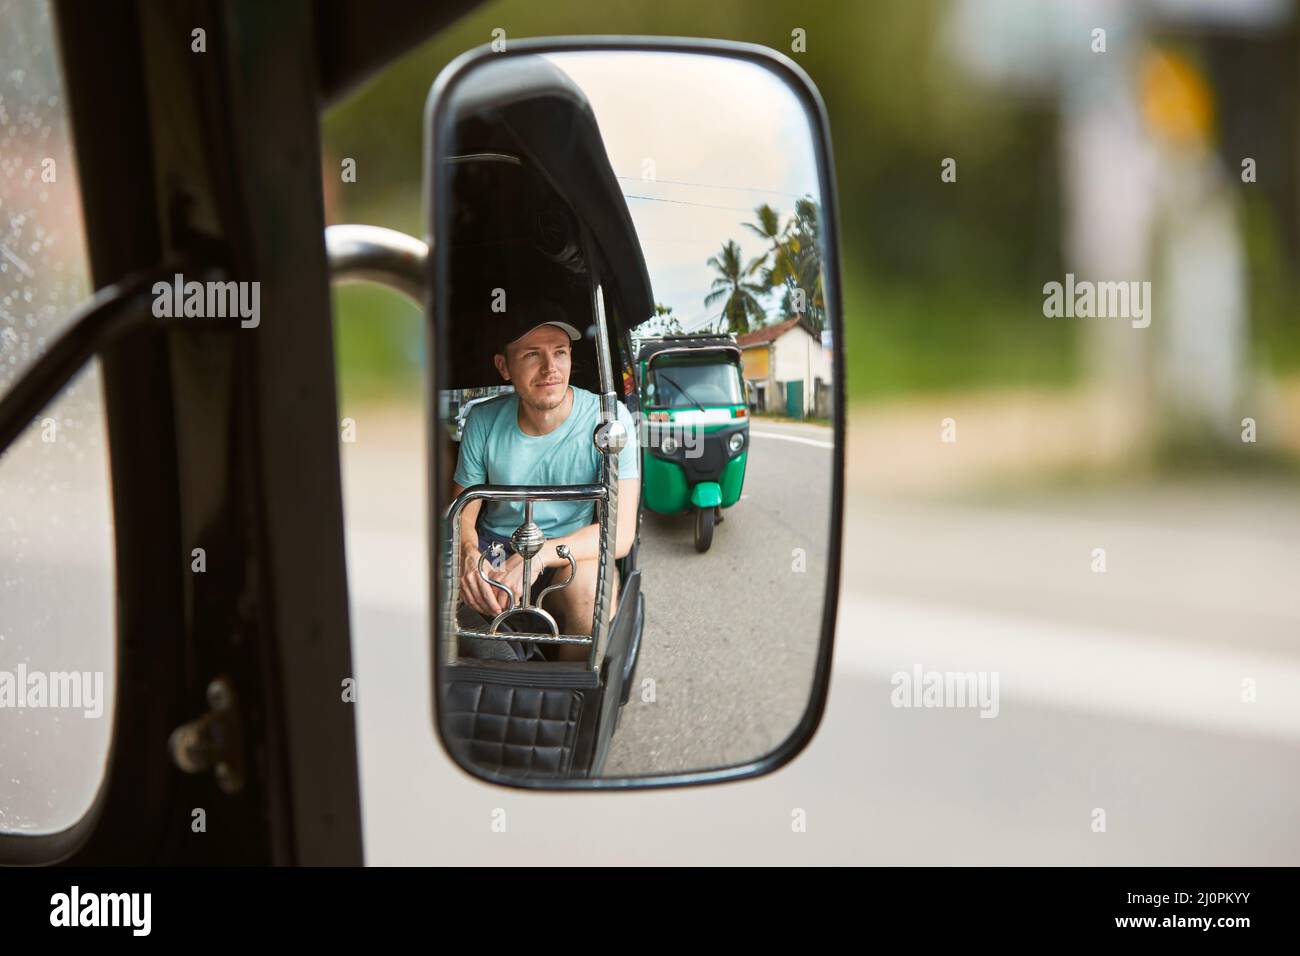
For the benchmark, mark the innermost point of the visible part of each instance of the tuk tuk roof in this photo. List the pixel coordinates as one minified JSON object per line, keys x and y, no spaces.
{"x":551,"y":122}
{"x":648,"y":348}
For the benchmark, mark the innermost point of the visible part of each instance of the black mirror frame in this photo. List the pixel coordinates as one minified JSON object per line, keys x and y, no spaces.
{"x":799,"y":83}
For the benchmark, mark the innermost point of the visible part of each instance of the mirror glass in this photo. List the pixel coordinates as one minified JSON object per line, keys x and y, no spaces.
{"x":633,"y":433}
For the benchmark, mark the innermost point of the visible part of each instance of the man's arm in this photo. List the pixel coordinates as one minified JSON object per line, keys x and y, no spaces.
{"x":471,"y":469}
{"x":583,"y":544}
{"x":477,"y":593}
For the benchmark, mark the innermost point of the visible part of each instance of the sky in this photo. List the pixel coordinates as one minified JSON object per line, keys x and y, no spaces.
{"x":695,"y":150}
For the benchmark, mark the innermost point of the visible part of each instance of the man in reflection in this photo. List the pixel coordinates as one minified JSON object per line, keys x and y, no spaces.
{"x":540,"y":435}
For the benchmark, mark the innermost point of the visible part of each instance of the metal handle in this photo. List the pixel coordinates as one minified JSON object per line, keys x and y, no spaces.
{"x":495,"y":552}
{"x":563,"y":551}
{"x":373,"y":254}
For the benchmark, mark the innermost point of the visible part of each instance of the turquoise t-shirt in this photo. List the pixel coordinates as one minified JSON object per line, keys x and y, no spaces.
{"x":493,"y":450}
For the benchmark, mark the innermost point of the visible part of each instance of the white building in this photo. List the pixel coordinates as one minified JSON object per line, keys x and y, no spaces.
{"x":787,"y":352}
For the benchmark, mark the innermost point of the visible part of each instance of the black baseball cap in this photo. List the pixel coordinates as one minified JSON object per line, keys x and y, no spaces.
{"x":513,"y":324}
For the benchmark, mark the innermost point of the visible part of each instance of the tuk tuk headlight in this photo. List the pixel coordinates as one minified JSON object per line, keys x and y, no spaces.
{"x":668,"y":444}
{"x":736,"y":442}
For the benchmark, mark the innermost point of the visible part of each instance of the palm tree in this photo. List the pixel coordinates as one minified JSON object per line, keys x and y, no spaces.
{"x":768,"y":228}
{"x":735,"y":288}
{"x":803,"y":250}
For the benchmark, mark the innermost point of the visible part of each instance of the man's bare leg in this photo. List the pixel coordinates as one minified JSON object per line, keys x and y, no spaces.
{"x":575,"y":605}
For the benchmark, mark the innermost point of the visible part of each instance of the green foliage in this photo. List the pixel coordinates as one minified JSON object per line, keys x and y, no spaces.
{"x":378,"y":344}
{"x":767,"y":226}
{"x":896,"y":108}
{"x":735,"y":288}
{"x":901,"y":339}
{"x":1274,"y":298}
{"x":942,"y":280}
{"x":793,"y":261}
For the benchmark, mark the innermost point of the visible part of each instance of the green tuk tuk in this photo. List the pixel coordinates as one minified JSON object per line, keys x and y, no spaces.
{"x":696,"y":439}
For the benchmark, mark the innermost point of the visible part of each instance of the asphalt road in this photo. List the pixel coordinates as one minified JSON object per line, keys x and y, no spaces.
{"x":731,"y":635}
{"x":1120,"y":691}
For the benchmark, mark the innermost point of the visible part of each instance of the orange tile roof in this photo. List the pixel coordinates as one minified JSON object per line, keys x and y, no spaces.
{"x":768,"y":333}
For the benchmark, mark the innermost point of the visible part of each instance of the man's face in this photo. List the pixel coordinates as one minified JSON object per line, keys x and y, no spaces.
{"x":538,"y":365}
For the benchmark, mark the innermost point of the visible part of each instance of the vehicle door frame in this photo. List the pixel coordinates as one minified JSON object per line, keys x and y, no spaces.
{"x":222,"y":436}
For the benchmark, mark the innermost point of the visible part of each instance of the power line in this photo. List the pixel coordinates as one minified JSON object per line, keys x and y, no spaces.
{"x":682,"y":182}
{"x":682,"y":202}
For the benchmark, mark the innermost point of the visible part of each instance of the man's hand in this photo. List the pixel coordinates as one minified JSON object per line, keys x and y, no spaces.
{"x":486,"y":599}
{"x":512,"y":574}
{"x":477,"y":593}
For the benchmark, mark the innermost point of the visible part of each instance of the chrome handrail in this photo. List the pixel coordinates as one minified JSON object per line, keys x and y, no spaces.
{"x":494,"y":552}
{"x":527,"y":494}
{"x":524,"y":605}
{"x":610,"y":437}
{"x":563,"y":551}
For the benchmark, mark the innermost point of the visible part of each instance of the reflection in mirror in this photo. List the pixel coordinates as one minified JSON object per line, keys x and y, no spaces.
{"x":634,"y":413}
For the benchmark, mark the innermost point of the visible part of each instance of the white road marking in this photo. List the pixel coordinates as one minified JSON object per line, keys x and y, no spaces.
{"x":803,"y":441}
{"x":1076,"y":668}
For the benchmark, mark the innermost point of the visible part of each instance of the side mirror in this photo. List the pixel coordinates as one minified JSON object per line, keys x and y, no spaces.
{"x":634,"y":580}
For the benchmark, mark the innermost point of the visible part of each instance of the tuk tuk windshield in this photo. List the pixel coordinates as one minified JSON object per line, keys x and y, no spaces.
{"x":688,"y":384}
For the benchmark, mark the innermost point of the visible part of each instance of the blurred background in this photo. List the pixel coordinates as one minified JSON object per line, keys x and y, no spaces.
{"x":1105,"y":515}
{"x":1066,"y":160}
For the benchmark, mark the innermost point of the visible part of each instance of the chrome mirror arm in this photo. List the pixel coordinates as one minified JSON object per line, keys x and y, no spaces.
{"x":358,"y":253}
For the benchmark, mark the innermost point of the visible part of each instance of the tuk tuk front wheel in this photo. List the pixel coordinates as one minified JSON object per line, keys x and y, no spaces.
{"x":703,"y":529}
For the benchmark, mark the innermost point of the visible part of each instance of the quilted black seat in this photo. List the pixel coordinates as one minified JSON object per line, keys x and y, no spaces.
{"x":523,"y":731}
